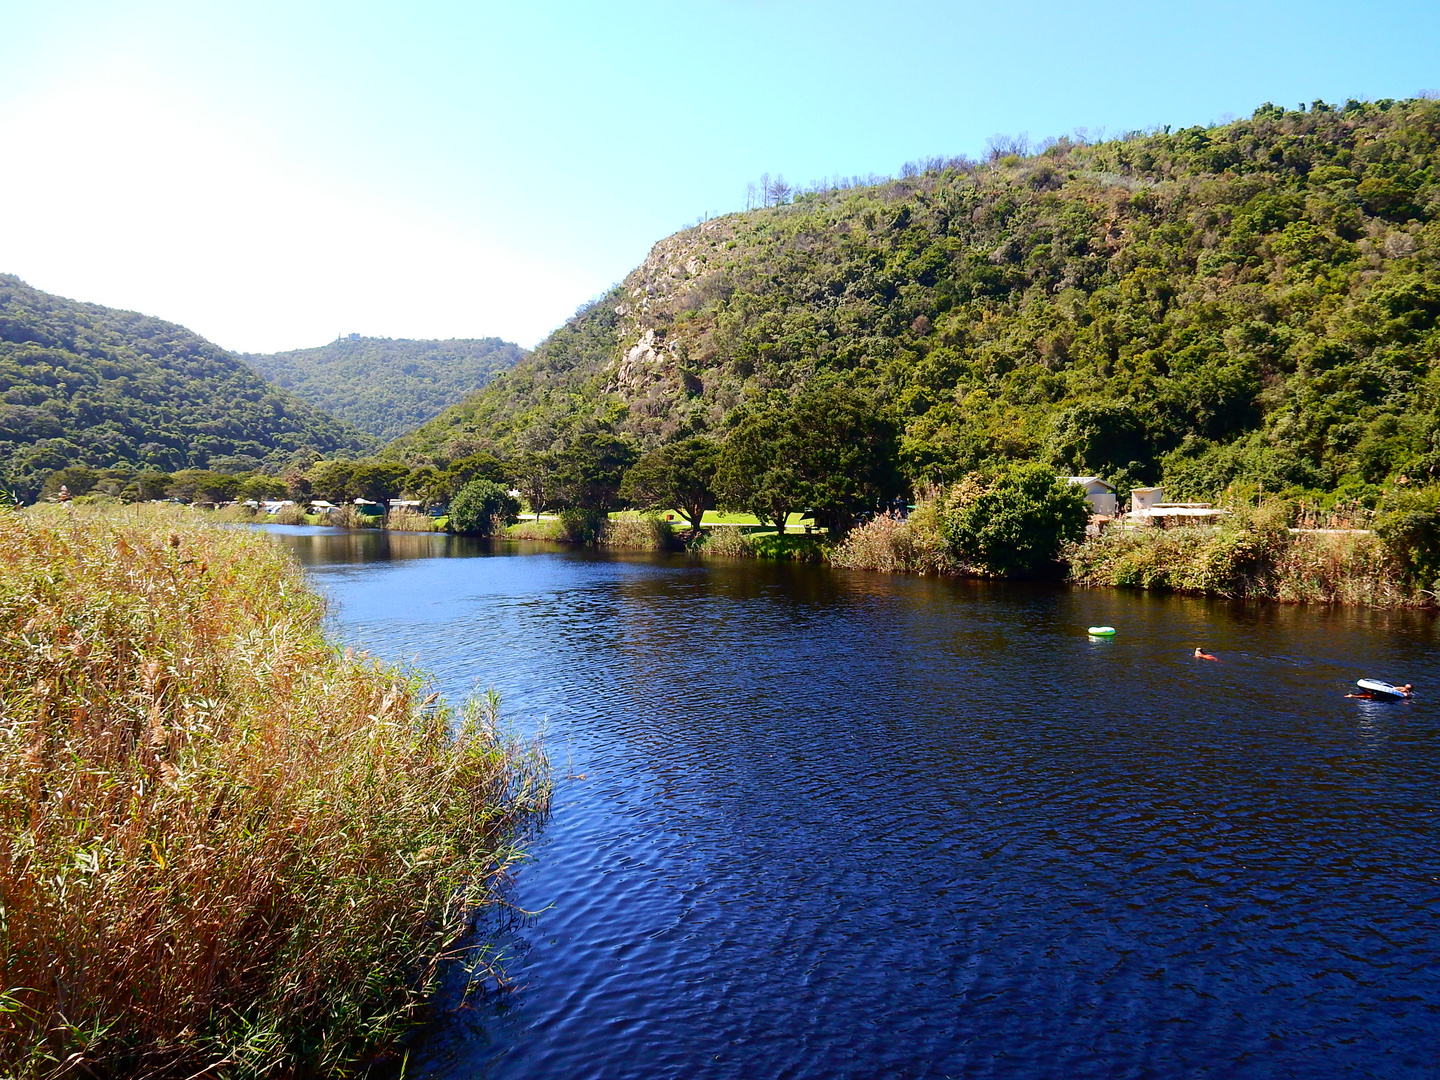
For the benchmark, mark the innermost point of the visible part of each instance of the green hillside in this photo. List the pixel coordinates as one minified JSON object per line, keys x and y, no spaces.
{"x":386,"y":386}
{"x":82,"y":384}
{"x":1254,"y":303}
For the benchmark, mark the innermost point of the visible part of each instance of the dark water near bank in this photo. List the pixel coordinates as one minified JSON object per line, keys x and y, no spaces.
{"x":821,"y":824}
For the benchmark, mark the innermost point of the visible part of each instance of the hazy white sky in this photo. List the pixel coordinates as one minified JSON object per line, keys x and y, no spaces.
{"x":271,"y":174}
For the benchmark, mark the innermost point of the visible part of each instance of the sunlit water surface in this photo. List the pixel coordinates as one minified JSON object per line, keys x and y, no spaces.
{"x":811,"y":823}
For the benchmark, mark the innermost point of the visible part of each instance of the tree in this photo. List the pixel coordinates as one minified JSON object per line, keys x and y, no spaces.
{"x":759,"y":469}
{"x":828,"y":450}
{"x":676,"y":476}
{"x":297,"y":487}
{"x":535,"y":479}
{"x":148,"y":484}
{"x":1102,"y":438}
{"x":589,"y":471}
{"x":476,"y":466}
{"x":1015,"y":524}
{"x":333,"y":480}
{"x":849,"y":454}
{"x":259,"y":487}
{"x":378,"y":481}
{"x":202,"y":485}
{"x":479,"y":505}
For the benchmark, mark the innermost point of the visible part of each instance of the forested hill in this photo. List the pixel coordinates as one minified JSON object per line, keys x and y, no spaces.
{"x":1251,"y":303}
{"x":82,"y":384}
{"x":386,"y":386}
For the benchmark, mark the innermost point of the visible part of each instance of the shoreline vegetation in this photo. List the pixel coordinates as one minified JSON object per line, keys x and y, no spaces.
{"x":226,"y":845}
{"x":1256,"y":553}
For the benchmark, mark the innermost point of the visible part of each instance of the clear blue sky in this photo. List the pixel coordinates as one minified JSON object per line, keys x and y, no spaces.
{"x":273,"y":173}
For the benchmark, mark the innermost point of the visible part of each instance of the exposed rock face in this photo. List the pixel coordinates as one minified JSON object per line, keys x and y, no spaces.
{"x":652,"y":350}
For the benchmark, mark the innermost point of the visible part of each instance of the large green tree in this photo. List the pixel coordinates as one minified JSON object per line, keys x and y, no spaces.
{"x":589,"y":471}
{"x":1017,"y":522}
{"x":479,"y":506}
{"x":675,"y":476}
{"x":760,"y":467}
{"x":848,"y":454}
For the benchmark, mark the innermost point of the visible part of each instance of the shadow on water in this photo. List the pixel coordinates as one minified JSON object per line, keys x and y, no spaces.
{"x":813,"y":823}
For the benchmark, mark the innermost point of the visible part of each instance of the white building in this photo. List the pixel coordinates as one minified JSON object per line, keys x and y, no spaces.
{"x":1100,"y":494}
{"x":1148,"y":507}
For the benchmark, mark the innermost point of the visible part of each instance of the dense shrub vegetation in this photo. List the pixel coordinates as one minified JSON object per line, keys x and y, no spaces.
{"x":87,"y":385}
{"x":1252,"y":304}
{"x":480,"y":506}
{"x":1014,"y":523}
{"x":225,"y":847}
{"x":1251,"y":556}
{"x":387,"y":386}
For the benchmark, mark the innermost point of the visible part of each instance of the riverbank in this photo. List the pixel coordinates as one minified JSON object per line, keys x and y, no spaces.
{"x":224,"y":844}
{"x":1254,"y":555}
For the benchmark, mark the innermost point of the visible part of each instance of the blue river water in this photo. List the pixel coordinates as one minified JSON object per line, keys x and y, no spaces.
{"x":814,"y":823}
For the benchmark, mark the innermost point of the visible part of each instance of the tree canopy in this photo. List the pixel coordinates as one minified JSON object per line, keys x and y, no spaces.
{"x":85,"y":385}
{"x":1252,"y":303}
{"x":1017,"y":522}
{"x":387,"y":386}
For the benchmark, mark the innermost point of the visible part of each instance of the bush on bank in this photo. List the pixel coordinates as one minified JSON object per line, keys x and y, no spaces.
{"x":224,"y":845}
{"x":1251,"y":555}
{"x":900,"y":545}
{"x":482,"y":507}
{"x":1015,"y":523}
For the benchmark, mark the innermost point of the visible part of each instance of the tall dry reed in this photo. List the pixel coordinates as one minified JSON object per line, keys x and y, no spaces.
{"x":405,"y":520}
{"x":908,"y":545}
{"x":647,"y":533}
{"x":225,"y":846}
{"x":1251,"y":556}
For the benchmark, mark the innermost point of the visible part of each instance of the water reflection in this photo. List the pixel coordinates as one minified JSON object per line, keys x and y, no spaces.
{"x":852,"y":825}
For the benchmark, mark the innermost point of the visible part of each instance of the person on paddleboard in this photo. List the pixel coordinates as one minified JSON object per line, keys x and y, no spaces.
{"x":1201,"y":654}
{"x":1366,"y":695}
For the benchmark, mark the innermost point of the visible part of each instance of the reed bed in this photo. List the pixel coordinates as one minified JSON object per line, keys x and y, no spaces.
{"x":728,"y":541}
{"x":533,"y":530}
{"x":908,"y":545}
{"x":236,"y":514}
{"x":1251,"y":556}
{"x":409,"y":521}
{"x":226,"y":847}
{"x":648,"y":533}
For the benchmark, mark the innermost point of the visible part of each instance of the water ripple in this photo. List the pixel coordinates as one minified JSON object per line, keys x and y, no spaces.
{"x":847,"y":825}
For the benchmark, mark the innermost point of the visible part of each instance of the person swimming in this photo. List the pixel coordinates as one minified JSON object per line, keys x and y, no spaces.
{"x":1366,"y":695}
{"x":1201,"y":654}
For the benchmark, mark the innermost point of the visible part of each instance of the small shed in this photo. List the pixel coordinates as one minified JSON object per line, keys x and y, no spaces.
{"x":1145,"y":498}
{"x":1100,"y":494}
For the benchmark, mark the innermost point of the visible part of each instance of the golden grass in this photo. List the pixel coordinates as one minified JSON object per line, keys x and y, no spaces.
{"x":910,"y":545}
{"x":409,"y":521}
{"x":1251,"y":556}
{"x":225,"y":846}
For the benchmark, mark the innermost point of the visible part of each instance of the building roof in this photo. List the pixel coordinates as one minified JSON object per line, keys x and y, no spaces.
{"x":1086,"y":481}
{"x":1177,"y":511}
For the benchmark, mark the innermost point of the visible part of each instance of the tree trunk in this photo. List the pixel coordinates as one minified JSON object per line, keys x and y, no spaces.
{"x":695,"y":515}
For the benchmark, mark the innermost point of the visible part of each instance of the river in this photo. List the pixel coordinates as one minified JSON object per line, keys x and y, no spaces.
{"x":815,"y":823}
